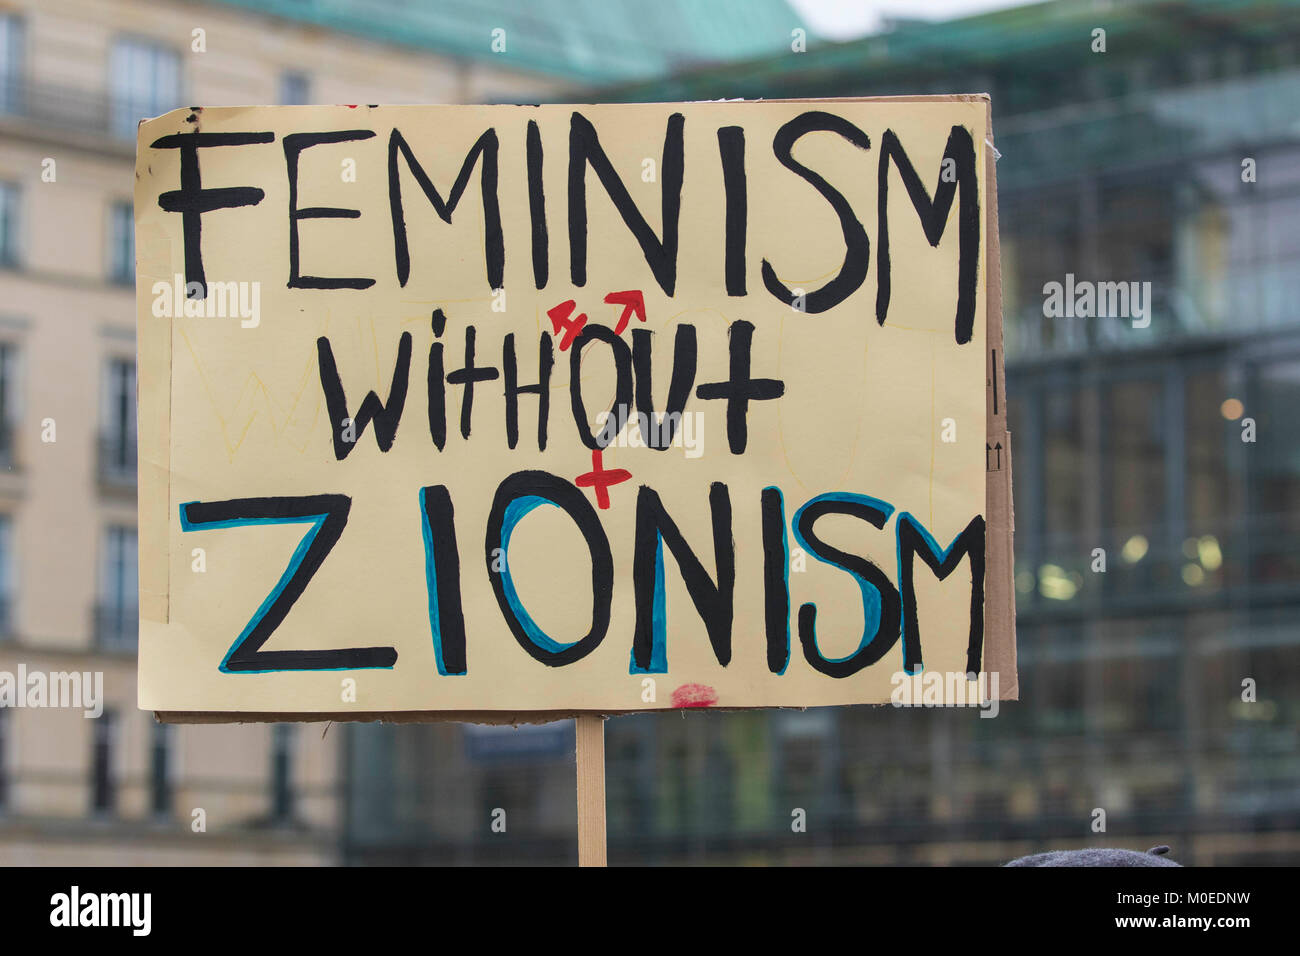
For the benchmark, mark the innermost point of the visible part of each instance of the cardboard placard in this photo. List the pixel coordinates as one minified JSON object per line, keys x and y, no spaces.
{"x":513,"y":413}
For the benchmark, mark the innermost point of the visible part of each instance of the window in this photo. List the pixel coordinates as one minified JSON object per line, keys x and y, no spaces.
{"x":9,"y":196}
{"x":8,"y":402}
{"x":295,"y":88}
{"x":121,"y":243}
{"x":1213,"y":520}
{"x":6,"y":574}
{"x":1065,"y":473}
{"x":1137,"y":463}
{"x":11,"y":63}
{"x":160,"y":785}
{"x":144,"y":81}
{"x":1274,"y":462}
{"x":117,"y":615}
{"x":103,"y":782}
{"x":1137,"y":476}
{"x":117,"y":413}
{"x":281,"y":772}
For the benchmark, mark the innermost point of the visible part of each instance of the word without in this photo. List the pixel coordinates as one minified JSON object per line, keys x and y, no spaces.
{"x":632,"y":366}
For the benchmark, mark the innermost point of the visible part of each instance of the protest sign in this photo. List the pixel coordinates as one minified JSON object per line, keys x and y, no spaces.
{"x":495,"y":412}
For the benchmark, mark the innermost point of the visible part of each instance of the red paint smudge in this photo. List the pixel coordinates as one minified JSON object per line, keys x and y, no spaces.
{"x":695,"y":695}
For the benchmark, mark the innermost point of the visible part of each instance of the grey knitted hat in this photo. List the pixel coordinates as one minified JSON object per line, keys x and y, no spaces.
{"x":1103,"y":856}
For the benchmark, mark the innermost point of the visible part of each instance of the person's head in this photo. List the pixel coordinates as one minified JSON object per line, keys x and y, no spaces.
{"x":1102,"y":856}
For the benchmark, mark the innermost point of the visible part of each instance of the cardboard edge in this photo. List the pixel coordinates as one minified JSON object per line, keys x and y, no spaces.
{"x":999,"y":549}
{"x":495,"y":717}
{"x":153,"y":407}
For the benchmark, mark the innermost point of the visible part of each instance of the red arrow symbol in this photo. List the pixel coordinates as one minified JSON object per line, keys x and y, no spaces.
{"x":631,"y":301}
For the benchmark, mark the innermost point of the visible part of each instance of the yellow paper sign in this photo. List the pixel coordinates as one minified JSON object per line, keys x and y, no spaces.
{"x":484,"y":410}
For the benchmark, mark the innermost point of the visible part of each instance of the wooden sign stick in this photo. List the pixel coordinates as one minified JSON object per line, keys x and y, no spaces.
{"x":591,"y":789}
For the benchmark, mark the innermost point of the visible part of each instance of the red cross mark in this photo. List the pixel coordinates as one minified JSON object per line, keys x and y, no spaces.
{"x":600,"y":479}
{"x":560,"y":320}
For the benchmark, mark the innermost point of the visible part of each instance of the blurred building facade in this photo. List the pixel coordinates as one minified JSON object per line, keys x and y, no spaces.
{"x":1122,"y":165}
{"x":1162,"y":690}
{"x":75,"y":77}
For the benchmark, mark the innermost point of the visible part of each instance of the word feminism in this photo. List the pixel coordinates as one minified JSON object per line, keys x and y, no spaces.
{"x":957,"y":182}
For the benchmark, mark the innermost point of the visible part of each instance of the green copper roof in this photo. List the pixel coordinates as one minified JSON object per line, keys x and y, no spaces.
{"x":1051,"y":39}
{"x":583,"y":41}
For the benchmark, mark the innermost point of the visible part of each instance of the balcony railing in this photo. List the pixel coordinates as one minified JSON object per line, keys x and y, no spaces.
{"x":117,"y":460}
{"x":62,"y":106}
{"x":1253,"y":558}
{"x":117,"y":627}
{"x":66,"y":107}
